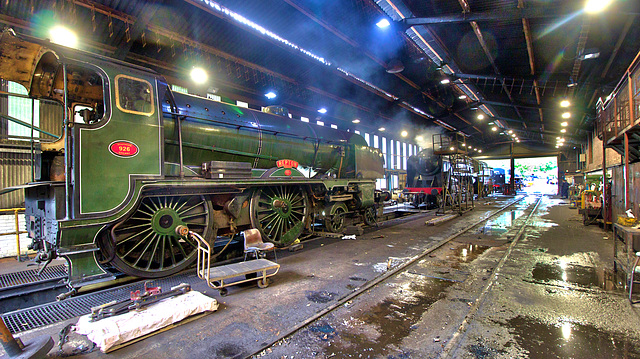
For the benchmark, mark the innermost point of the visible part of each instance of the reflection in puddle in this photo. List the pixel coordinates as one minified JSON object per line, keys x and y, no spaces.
{"x":501,"y":224}
{"x":561,"y":272}
{"x":387,"y":323}
{"x":571,"y":340}
{"x":468,"y":253}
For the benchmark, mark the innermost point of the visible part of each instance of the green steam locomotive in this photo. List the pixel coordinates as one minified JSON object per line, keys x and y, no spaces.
{"x":137,"y":159}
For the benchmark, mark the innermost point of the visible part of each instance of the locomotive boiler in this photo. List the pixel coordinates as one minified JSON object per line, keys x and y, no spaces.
{"x":137,"y":159}
{"x":424,"y":178}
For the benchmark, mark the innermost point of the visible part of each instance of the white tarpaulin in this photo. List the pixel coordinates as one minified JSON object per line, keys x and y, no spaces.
{"x":112,"y":331}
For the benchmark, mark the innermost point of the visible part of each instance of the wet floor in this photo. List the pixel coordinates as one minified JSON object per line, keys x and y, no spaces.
{"x":379,"y":331}
{"x":561,"y":274}
{"x":565,"y":339}
{"x":501,"y":224}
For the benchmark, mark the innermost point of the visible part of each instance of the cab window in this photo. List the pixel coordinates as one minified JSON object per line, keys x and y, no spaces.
{"x":134,"y":95}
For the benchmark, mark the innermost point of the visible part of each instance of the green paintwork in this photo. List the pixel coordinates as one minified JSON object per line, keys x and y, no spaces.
{"x":104,"y":177}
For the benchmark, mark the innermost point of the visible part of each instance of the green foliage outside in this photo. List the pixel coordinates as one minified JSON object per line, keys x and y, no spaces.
{"x":529,"y":168}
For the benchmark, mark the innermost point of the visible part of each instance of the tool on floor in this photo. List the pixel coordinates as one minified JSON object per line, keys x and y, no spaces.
{"x":136,"y":301}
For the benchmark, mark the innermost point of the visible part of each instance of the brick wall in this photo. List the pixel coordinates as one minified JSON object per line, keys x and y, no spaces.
{"x":8,"y":242}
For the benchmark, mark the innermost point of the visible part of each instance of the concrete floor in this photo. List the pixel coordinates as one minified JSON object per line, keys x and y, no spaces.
{"x":555,"y":296}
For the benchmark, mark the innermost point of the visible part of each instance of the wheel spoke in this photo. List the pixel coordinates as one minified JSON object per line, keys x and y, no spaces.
{"x":137,"y":245}
{"x":173,"y":256}
{"x":122,"y":241}
{"x":144,"y":251}
{"x":190,"y":208}
{"x":146,"y":245}
{"x":193,"y":215}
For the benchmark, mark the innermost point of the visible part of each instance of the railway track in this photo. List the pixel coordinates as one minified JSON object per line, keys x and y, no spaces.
{"x":452,"y":344}
{"x":36,"y":291}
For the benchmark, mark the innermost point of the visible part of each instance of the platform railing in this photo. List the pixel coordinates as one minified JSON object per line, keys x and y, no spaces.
{"x":17,"y":230}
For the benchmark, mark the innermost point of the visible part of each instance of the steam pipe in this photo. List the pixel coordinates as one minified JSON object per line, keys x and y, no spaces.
{"x":67,"y":146}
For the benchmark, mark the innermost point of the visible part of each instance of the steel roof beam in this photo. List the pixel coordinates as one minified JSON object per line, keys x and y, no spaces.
{"x":468,"y":16}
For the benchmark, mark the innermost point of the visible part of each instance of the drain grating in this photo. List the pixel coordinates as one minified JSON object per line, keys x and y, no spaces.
{"x":30,"y":276}
{"x":51,"y":313}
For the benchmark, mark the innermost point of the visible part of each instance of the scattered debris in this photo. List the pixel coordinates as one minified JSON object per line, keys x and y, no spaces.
{"x":353,"y":236}
{"x":296,"y":247}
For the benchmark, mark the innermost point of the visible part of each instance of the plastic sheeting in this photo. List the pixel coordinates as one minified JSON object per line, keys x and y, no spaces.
{"x":109,"y":332}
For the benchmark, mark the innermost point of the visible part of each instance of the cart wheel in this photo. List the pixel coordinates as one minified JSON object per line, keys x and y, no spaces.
{"x":263,"y":283}
{"x":223,"y":291}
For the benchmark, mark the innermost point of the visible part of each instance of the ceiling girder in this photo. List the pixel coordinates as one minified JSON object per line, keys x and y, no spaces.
{"x":502,"y":15}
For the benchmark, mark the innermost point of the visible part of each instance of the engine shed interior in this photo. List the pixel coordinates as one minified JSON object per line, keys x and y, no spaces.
{"x":399,"y":178}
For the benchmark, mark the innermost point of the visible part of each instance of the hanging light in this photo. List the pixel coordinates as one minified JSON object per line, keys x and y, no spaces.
{"x":199,"y":75}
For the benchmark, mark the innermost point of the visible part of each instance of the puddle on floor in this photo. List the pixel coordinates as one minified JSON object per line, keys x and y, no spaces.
{"x":570,"y":340}
{"x":467,"y":253}
{"x":563,"y":273}
{"x":500,"y":224}
{"x":372,"y":333}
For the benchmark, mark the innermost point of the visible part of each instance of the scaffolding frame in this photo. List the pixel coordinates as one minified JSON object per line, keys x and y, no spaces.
{"x":457,"y":173}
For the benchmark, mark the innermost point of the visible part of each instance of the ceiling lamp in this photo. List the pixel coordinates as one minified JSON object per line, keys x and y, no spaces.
{"x":594,"y":6}
{"x":356,"y":121}
{"x":404,"y":133}
{"x":563,"y":130}
{"x":480,"y":151}
{"x":62,"y":36}
{"x":510,"y":131}
{"x":322,"y":110}
{"x":419,"y":138}
{"x":564,"y":124}
{"x":395,"y":66}
{"x":445,"y":81}
{"x":566,"y":115}
{"x":494,"y":129}
{"x":480,"y":117}
{"x":462,"y":97}
{"x":451,"y":148}
{"x":199,"y":75}
{"x":384,"y":23}
{"x":565,"y":103}
{"x":381,"y":129}
{"x":270,"y":95}
{"x":589,"y":54}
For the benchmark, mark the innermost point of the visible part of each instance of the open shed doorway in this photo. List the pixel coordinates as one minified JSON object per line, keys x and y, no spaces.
{"x":537,"y":175}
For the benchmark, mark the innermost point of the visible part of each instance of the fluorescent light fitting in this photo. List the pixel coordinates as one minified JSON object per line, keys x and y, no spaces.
{"x":445,"y":81}
{"x":384,"y":23}
{"x":462,"y":97}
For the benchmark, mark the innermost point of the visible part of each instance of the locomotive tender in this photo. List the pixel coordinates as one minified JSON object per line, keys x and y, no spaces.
{"x":137,"y":159}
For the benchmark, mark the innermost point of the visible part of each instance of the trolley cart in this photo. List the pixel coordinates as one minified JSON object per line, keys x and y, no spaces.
{"x":217,"y":277}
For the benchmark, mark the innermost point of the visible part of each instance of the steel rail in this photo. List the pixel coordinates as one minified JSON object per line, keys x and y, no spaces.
{"x":454,"y":343}
{"x":381,"y":278}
